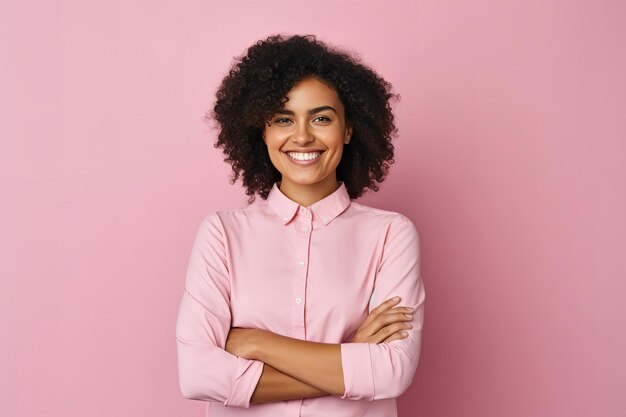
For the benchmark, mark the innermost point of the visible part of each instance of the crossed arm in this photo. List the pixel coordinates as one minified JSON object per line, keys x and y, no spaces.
{"x":292,"y":369}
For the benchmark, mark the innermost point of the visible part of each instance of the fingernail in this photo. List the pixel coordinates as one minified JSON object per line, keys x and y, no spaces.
{"x":396,"y":298}
{"x":409,"y":315}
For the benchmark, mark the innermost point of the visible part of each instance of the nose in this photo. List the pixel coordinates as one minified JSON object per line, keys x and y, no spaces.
{"x":302,"y":134}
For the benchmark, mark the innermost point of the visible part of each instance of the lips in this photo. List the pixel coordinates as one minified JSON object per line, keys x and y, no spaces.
{"x":321,"y":151}
{"x":312,"y":159}
{"x":304,"y":162}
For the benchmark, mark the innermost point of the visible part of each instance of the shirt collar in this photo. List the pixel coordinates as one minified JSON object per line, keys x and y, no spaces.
{"x":325,"y":209}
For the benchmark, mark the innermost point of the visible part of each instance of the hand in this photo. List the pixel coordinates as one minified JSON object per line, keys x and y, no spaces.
{"x":384,"y":324}
{"x":240,"y":342}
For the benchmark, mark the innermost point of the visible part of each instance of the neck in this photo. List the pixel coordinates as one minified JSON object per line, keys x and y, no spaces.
{"x":308,"y":194}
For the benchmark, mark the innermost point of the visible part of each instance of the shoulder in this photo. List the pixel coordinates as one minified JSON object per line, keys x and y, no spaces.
{"x":225,"y":214}
{"x":395,"y":230}
{"x":226,"y":219}
{"x":388,"y":218}
{"x":210,"y":230}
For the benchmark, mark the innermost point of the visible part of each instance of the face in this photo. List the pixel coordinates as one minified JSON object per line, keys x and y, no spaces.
{"x":305,"y":138}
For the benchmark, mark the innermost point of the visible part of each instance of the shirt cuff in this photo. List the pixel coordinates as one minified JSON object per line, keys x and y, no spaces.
{"x":358,"y":377}
{"x":246,"y":379}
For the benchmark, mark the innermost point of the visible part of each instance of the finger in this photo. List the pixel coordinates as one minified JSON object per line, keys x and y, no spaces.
{"x":400,"y":309}
{"x":389,"y":330}
{"x":398,"y":331}
{"x":386,"y":305}
{"x":395,"y":321}
{"x":391,"y":316}
{"x":397,"y":336}
{"x":379,"y":310}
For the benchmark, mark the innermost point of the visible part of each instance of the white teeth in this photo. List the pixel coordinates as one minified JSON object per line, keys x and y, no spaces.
{"x":300,"y":156}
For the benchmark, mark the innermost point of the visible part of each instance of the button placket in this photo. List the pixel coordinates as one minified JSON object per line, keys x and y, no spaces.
{"x":303,"y":224}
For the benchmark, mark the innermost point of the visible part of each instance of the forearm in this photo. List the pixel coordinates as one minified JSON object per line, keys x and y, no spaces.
{"x":275,"y":385}
{"x":316,"y":364}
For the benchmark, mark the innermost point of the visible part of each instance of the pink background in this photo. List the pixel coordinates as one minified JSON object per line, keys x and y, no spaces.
{"x":511,"y":161}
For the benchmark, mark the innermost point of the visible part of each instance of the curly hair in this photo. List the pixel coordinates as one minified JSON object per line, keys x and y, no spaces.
{"x":255,"y":88}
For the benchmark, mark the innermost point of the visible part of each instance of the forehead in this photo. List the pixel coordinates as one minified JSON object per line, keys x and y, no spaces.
{"x":309,"y":93}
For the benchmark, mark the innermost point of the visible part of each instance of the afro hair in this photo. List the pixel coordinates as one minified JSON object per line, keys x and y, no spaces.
{"x":256,"y":87}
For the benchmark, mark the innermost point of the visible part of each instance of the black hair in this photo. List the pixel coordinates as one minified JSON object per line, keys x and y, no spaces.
{"x":256,"y":86}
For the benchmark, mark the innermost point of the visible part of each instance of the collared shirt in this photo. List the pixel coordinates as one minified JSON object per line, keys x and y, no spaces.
{"x":312,"y":273}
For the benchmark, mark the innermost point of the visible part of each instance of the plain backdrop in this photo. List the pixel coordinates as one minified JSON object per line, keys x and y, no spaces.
{"x":511,"y":161}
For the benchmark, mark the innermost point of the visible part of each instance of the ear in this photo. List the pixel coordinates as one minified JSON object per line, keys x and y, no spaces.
{"x":348,"y":134}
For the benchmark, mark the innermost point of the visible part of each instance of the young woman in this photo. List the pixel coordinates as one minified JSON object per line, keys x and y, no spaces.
{"x":288,"y":307}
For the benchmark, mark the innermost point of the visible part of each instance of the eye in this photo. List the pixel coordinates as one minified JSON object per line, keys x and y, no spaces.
{"x":285,"y":119}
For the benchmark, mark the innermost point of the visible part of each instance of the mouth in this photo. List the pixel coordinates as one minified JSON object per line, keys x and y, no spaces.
{"x":304,"y":159}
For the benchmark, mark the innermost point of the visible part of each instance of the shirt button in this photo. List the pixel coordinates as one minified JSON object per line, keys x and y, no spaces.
{"x":305,"y":228}
{"x":324,"y":219}
{"x":298,"y":300}
{"x":301,"y":263}
{"x":304,"y":210}
{"x":285,"y":218}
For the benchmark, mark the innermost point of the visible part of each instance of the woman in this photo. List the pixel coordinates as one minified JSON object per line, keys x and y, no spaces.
{"x":288,"y":305}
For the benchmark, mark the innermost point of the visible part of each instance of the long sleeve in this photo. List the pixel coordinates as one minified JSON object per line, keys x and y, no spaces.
{"x":385,"y":370}
{"x":206,"y":371}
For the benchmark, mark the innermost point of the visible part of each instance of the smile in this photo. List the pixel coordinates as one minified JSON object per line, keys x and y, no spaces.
{"x":300,"y":158}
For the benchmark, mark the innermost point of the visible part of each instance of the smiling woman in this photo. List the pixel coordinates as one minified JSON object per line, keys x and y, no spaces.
{"x":288,"y":303}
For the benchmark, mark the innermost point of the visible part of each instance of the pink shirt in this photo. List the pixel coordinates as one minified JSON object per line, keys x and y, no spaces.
{"x":312,"y":273}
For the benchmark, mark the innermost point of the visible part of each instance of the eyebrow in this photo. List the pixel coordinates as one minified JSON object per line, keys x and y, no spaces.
{"x":311,"y":111}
